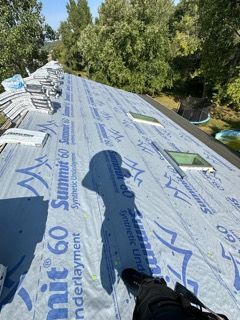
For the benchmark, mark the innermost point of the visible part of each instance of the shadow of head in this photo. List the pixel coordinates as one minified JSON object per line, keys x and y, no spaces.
{"x":105,"y":172}
{"x":23,"y":222}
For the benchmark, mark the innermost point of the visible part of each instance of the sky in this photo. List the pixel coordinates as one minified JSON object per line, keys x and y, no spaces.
{"x":55,"y":10}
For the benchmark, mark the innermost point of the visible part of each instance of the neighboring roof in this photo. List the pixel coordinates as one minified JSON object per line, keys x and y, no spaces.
{"x":98,"y":198}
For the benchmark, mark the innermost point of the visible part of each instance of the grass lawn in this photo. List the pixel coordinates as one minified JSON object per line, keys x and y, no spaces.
{"x":222,"y":118}
{"x":168,"y":101}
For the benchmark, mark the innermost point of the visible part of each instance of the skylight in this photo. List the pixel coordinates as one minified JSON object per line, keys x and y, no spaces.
{"x":187,"y":160}
{"x":143,"y":118}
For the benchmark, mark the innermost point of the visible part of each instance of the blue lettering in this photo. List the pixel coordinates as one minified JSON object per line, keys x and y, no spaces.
{"x":59,"y":203}
{"x":59,"y":298}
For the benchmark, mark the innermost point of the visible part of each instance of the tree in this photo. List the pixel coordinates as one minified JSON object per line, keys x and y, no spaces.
{"x":129,"y":45}
{"x":185,"y":28}
{"x":49,"y":33}
{"x":79,"y":17}
{"x":220,"y":32}
{"x":186,"y":44}
{"x":21,"y":36}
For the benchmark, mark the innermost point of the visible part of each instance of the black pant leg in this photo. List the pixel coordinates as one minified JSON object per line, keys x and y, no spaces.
{"x":156,"y":301}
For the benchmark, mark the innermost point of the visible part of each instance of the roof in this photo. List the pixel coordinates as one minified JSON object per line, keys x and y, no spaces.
{"x":221,"y":149}
{"x":98,"y":198}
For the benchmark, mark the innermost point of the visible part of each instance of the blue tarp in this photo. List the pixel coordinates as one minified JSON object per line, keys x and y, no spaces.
{"x":14,"y":83}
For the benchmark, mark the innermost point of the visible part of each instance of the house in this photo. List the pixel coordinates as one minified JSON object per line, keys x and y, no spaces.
{"x":99,"y":197}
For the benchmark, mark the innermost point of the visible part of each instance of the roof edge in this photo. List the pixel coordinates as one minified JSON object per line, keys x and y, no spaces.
{"x":209,"y":141}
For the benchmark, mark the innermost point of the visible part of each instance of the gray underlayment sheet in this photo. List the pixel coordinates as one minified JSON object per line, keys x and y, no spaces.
{"x":98,"y":198}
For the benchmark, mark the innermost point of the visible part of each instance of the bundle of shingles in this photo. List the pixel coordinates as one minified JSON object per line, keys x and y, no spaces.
{"x":35,"y":96}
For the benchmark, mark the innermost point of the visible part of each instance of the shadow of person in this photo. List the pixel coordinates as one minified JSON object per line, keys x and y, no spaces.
{"x":122,"y":237}
{"x":23,"y":222}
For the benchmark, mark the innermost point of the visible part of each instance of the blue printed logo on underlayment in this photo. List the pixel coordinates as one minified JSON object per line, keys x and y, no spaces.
{"x":34,"y":176}
{"x":11,"y":286}
{"x":115,"y":135}
{"x":217,"y":160}
{"x":235,"y":264}
{"x":106,"y":115}
{"x":192,"y":194}
{"x":49,"y":127}
{"x":146,"y":146}
{"x":128,"y":124}
{"x":136,"y":171}
{"x":234,"y":202}
{"x":55,"y":287}
{"x":172,"y":185}
{"x":213,"y":179}
{"x":168,"y":238}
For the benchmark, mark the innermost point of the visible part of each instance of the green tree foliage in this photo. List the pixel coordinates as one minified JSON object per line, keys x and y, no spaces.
{"x":79,"y":17}
{"x":185,"y":28}
{"x":186,"y":45}
{"x":206,"y":44}
{"x":220,"y":32}
{"x":146,"y":46}
{"x":49,"y":33}
{"x":21,"y":36}
{"x":129,"y":46}
{"x":233,"y":91}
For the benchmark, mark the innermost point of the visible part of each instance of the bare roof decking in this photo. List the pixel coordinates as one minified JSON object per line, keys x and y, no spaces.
{"x":98,"y":198}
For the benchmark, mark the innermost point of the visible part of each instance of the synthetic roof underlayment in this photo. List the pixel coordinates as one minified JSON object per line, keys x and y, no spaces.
{"x":98,"y":198}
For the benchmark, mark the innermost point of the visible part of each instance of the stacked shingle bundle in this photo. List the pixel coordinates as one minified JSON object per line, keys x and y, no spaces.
{"x":35,"y":96}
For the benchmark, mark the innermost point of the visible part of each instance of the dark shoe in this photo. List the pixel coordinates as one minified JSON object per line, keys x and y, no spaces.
{"x":133,"y":279}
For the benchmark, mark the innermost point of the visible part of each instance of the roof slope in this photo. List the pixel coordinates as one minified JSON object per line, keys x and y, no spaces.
{"x":98,"y":198}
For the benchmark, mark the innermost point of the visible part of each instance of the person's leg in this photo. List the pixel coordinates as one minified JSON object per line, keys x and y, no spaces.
{"x":154,"y":299}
